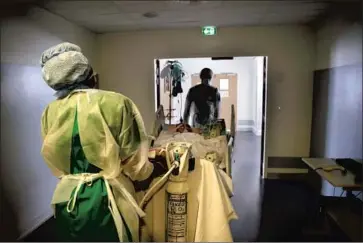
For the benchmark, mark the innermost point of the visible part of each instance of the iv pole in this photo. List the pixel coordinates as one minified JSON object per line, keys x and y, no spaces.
{"x":157,"y":84}
{"x":171,"y":79}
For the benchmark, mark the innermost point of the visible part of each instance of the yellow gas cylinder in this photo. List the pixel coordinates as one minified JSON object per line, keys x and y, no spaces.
{"x":177,"y":192}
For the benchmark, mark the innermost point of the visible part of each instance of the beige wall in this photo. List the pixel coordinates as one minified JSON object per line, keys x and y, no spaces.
{"x":126,"y":66}
{"x":24,"y":39}
{"x":26,"y":182}
{"x":338,"y":43}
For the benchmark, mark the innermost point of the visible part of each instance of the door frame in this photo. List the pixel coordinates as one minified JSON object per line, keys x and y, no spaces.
{"x":263,"y":157}
{"x":263,"y":162}
{"x":157,"y":81}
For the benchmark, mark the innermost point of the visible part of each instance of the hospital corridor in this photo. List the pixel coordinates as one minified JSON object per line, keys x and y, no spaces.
{"x":181,"y":121}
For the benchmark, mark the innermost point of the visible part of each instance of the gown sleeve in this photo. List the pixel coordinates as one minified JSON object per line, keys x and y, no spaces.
{"x":134,"y":144}
{"x":44,"y":124}
{"x":44,"y":131}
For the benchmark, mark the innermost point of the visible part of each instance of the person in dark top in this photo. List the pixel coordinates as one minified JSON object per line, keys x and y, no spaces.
{"x":205,"y":98}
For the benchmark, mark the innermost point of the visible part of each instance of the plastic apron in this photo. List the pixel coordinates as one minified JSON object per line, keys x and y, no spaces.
{"x":95,"y":191}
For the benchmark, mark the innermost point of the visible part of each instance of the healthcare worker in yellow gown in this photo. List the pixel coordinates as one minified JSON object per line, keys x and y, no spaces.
{"x":95,"y":142}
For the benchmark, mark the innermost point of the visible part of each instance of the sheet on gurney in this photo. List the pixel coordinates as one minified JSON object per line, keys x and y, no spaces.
{"x":201,"y":148}
{"x":209,"y":205}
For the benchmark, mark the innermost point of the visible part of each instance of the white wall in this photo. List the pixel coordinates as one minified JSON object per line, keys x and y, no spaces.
{"x":26,"y":182}
{"x":244,"y":67}
{"x":126,"y":66}
{"x":253,"y":100}
{"x":259,"y":91}
{"x":338,"y":43}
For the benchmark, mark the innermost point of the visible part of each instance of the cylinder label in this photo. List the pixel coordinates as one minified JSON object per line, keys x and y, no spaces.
{"x":176,"y":222}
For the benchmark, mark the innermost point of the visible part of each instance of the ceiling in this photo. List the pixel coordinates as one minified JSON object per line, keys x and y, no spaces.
{"x":111,"y":16}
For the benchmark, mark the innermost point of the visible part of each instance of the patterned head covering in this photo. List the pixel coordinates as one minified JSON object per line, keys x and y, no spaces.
{"x":64,"y":67}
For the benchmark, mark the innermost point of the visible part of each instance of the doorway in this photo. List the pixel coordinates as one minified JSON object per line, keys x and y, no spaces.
{"x":241,"y":81}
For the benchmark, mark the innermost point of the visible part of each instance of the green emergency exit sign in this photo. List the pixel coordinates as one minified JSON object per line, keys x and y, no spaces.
{"x":209,"y":30}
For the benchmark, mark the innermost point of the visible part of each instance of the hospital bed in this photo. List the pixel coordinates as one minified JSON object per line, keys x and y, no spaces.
{"x":163,"y":133}
{"x":194,"y":203}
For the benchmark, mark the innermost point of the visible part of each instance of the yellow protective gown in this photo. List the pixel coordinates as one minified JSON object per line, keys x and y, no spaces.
{"x":113,"y":139}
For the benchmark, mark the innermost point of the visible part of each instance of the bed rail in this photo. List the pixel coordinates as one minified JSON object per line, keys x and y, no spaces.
{"x":159,"y":123}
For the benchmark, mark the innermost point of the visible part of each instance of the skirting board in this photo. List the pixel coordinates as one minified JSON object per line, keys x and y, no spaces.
{"x":245,"y":125}
{"x":247,"y":128}
{"x":244,"y":128}
{"x":257,"y":132}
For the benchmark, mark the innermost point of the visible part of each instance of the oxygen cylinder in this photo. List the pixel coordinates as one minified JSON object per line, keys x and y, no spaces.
{"x":177,"y":193}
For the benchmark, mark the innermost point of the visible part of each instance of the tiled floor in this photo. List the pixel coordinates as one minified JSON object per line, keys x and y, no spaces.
{"x":246,"y":182}
{"x":268,"y":210}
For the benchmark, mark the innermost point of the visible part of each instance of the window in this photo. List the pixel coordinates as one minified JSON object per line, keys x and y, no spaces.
{"x":224,"y":84}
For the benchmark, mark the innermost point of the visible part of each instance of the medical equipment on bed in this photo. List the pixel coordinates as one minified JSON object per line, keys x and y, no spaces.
{"x":176,"y":205}
{"x":214,"y":129}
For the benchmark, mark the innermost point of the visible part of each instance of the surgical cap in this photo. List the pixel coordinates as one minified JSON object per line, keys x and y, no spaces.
{"x":64,"y":65}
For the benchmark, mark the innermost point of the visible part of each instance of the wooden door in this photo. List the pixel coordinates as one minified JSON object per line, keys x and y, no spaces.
{"x":227,"y":86}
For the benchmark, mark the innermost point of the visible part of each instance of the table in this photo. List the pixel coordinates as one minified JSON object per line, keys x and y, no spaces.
{"x":336,"y":178}
{"x":339,"y":209}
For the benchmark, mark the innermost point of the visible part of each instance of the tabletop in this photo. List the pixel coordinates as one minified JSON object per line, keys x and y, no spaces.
{"x":336,"y":177}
